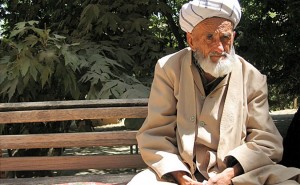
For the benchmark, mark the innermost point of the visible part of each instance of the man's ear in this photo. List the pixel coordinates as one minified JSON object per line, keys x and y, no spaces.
{"x":190,"y":40}
{"x":234,"y":37}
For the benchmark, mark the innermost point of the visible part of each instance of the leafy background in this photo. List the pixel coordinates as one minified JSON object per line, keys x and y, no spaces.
{"x":94,"y":49}
{"x":98,"y":49}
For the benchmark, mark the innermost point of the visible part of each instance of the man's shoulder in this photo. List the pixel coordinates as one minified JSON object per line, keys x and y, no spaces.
{"x":174,"y":58}
{"x":253,"y":79}
{"x":248,"y":68}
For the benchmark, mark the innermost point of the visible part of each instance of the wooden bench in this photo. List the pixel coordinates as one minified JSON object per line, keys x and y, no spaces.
{"x":31,"y":112}
{"x":54,"y":111}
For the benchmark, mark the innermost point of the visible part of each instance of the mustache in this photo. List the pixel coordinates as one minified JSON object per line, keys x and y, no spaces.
{"x":217,"y":54}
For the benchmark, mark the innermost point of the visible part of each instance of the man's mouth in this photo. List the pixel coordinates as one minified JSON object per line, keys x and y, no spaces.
{"x":217,"y":54}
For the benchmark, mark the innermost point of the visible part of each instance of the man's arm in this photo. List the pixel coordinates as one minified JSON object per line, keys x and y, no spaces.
{"x":157,"y":137}
{"x":261,"y":142}
{"x":183,"y":178}
{"x":226,"y":176}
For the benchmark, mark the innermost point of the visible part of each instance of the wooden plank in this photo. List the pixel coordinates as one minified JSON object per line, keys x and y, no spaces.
{"x":72,"y":104}
{"x":60,"y":140}
{"x":119,"y":179}
{"x":71,"y":162}
{"x":72,"y":114}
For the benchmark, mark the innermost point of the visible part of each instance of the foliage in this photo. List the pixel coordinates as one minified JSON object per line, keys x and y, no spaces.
{"x":120,"y":42}
{"x":40,"y":61}
{"x":93,"y":49}
{"x":268,"y":39}
{"x":109,"y":42}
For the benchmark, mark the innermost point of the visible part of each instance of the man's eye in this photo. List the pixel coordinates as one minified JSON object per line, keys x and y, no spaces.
{"x":209,"y":36}
{"x":225,"y":37}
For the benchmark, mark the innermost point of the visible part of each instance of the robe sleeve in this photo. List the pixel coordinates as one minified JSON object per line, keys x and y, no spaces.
{"x":157,"y":136}
{"x":263,"y":143}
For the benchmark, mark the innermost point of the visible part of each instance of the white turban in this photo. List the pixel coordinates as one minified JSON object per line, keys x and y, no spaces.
{"x":196,"y":11}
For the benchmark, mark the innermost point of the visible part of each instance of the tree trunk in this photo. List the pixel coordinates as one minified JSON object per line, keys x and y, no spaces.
{"x":174,"y":27}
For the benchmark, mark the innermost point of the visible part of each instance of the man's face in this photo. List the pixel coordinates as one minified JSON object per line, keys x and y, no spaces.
{"x":212,"y":37}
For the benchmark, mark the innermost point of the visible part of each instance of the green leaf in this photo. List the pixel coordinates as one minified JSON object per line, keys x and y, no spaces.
{"x":31,"y":40}
{"x":108,"y":48}
{"x":31,"y":23}
{"x":47,"y":56}
{"x":272,"y":14}
{"x":119,"y":89}
{"x":9,"y":88}
{"x":17,"y":32}
{"x":12,"y":88}
{"x":89,"y":15}
{"x":91,"y":11}
{"x":104,"y":77}
{"x":59,"y":36}
{"x":113,"y":62}
{"x":33,"y":72}
{"x":123,"y":56}
{"x":137,"y":91}
{"x":105,"y":91}
{"x":75,"y":44}
{"x":104,"y":95}
{"x":25,"y":81}
{"x":5,"y":60}
{"x":45,"y":75}
{"x":71,"y":60}
{"x":3,"y":73}
{"x":110,"y":20}
{"x":24,"y":65}
{"x":91,"y":77}
{"x":69,"y":80}
{"x":139,"y":24}
{"x":20,"y":25}
{"x":41,"y":32}
{"x":133,"y":93}
{"x":92,"y":94}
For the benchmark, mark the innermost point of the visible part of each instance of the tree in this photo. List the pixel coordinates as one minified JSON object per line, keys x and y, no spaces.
{"x":269,"y":40}
{"x":129,"y":37}
{"x":60,"y":50}
{"x":112,"y":38}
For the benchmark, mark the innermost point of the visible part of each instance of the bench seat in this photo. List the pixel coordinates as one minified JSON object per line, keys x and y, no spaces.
{"x":120,"y":179}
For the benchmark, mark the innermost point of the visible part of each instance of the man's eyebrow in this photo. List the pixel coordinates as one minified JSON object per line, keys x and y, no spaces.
{"x":227,"y":34}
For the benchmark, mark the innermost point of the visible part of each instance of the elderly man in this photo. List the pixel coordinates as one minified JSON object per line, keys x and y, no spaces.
{"x":208,"y":117}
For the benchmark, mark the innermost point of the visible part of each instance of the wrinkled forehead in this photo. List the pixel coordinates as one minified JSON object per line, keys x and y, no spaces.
{"x":214,"y":24}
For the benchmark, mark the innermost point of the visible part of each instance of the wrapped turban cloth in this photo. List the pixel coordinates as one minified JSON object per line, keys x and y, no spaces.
{"x":196,"y":11}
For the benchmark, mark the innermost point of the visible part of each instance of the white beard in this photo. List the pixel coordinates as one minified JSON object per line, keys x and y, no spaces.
{"x":217,"y":69}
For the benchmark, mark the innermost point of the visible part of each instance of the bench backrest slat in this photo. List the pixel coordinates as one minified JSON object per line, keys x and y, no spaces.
{"x":60,"y":140}
{"x":71,"y":114}
{"x":71,"y":162}
{"x":46,"y":105}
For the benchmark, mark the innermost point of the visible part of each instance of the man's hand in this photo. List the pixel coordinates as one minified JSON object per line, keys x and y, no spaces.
{"x":183,"y":178}
{"x":225,"y":177}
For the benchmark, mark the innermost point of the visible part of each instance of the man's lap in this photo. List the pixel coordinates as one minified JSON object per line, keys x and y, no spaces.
{"x":148,"y":177}
{"x":270,"y":174}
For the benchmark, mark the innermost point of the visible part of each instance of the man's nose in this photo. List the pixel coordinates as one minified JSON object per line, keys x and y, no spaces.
{"x":219,"y":47}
